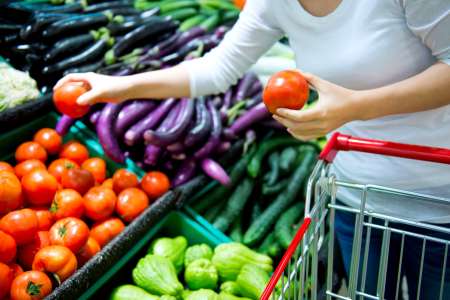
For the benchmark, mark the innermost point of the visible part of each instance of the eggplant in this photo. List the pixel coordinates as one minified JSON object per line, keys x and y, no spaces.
{"x":9,"y":29}
{"x":105,"y":132}
{"x":131,"y":113}
{"x":214,"y":139}
{"x":189,"y":35}
{"x":202,"y":124}
{"x":162,"y":48}
{"x":152,"y":154}
{"x":254,"y":90}
{"x":184,"y":173}
{"x":93,"y":118}
{"x":226,"y":103}
{"x":90,"y":67}
{"x":76,"y":23}
{"x":134,"y":135}
{"x":221,"y":31}
{"x":169,"y":136}
{"x":272,"y":124}
{"x":33,"y":29}
{"x":255,"y":100}
{"x":67,"y":8}
{"x":224,"y":147}
{"x":256,"y":114}
{"x":63,"y":125}
{"x":215,"y":171}
{"x":149,"y":13}
{"x":244,"y":86}
{"x":107,"y":5}
{"x":122,"y":11}
{"x":68,"y":46}
{"x":177,"y":147}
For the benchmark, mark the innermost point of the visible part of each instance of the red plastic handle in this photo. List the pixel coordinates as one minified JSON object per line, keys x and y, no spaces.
{"x":342,"y":142}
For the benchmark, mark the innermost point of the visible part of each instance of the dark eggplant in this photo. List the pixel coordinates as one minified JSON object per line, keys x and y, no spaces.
{"x":32,"y":7}
{"x":202,"y":125}
{"x":244,"y":85}
{"x":9,"y":29}
{"x":184,"y":173}
{"x":224,"y":147}
{"x":107,"y":5}
{"x":214,"y":139}
{"x":254,"y":90}
{"x":149,"y":13}
{"x":63,"y":125}
{"x":68,"y":46}
{"x":189,"y":35}
{"x":76,"y":23}
{"x":226,"y":103}
{"x":214,"y":170}
{"x":105,"y":132}
{"x":90,"y":67}
{"x":152,"y":154}
{"x":131,"y":113}
{"x":122,"y":11}
{"x":93,"y":118}
{"x":134,"y":135}
{"x":32,"y":30}
{"x":169,"y":136}
{"x":272,"y":124}
{"x":254,"y":100}
{"x":256,"y":114}
{"x":221,"y":31}
{"x":162,"y":48}
{"x":177,"y":147}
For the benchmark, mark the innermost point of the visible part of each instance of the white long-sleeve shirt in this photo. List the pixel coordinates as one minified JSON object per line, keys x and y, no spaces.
{"x":363,"y":44}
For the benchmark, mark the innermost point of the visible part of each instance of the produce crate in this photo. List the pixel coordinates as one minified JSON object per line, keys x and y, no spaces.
{"x":175,"y":224}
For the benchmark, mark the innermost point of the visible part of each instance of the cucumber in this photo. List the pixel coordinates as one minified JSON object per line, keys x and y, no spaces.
{"x":211,"y":22}
{"x":208,"y":11}
{"x":278,"y":187}
{"x":218,"y":4}
{"x":256,"y":211}
{"x":266,"y":243}
{"x":287,"y":159}
{"x":264,"y":223}
{"x":236,"y":233}
{"x":172,"y":6}
{"x":212,"y":212}
{"x":231,"y":15}
{"x":181,"y":14}
{"x":235,"y":205}
{"x":284,"y":232}
{"x":274,"y":165}
{"x":274,"y":249}
{"x":192,"y":22}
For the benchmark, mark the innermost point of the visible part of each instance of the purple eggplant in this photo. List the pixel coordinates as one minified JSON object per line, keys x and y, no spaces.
{"x":226,"y":103}
{"x":255,"y":89}
{"x":93,"y":118}
{"x":189,"y":35}
{"x":105,"y":132}
{"x":214,"y":139}
{"x":177,"y":147}
{"x":221,"y":31}
{"x":255,"y":100}
{"x":134,"y":135}
{"x":215,"y":171}
{"x":167,"y":137}
{"x":202,"y":124}
{"x":272,"y":124}
{"x":184,"y":173}
{"x":152,"y":153}
{"x":256,"y":114}
{"x":244,"y":86}
{"x":162,"y":48}
{"x":131,"y":113}
{"x":178,"y":156}
{"x":224,"y":147}
{"x":63,"y":125}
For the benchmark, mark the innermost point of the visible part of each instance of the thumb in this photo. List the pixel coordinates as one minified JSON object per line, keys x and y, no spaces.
{"x":89,"y":98}
{"x":315,"y":81}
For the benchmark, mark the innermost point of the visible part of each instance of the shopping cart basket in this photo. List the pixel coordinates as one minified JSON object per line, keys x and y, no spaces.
{"x":296,"y":276}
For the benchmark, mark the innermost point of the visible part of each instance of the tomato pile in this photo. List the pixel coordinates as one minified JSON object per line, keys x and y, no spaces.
{"x":58,"y":208}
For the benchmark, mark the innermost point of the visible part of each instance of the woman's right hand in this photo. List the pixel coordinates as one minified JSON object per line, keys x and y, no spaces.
{"x":103,"y":88}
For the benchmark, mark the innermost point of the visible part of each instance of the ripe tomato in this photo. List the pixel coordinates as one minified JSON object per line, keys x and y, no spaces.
{"x":97,"y":167}
{"x":108,"y":183}
{"x":155,"y":184}
{"x":25,"y":167}
{"x":17,"y":269}
{"x":11,"y":196}
{"x":123,"y":179}
{"x":67,"y":203}
{"x":31,"y":285}
{"x":78,"y":180}
{"x":21,"y":224}
{"x":26,"y":253}
{"x":104,"y":231}
{"x":239,"y":4}
{"x":39,"y":187}
{"x":49,"y":139}
{"x":88,"y":251}
{"x":99,"y":203}
{"x":4,"y":166}
{"x":59,"y":166}
{"x":131,"y":203}
{"x":8,"y":248}
{"x":7,"y":277}
{"x":69,"y":232}
{"x":56,"y":259}
{"x":45,"y":218}
{"x":74,"y":151}
{"x":30,"y":150}
{"x":286,"y":89}
{"x":65,"y":99}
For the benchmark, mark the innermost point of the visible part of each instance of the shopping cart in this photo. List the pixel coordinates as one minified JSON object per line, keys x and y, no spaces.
{"x":297,"y":275}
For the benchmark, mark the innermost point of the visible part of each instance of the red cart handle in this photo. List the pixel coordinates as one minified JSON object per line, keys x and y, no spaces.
{"x":342,"y":142}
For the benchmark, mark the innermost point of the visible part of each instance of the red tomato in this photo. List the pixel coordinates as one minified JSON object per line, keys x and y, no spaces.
{"x":11,"y":196}
{"x":69,"y":232}
{"x":74,"y":151}
{"x":4,"y":166}
{"x":61,"y":165}
{"x":55,"y":259}
{"x":67,"y":203}
{"x":27,"y":166}
{"x":17,"y":269}
{"x":65,"y":99}
{"x":78,"y":180}
{"x":7,"y":277}
{"x":286,"y":89}
{"x":108,"y":183}
{"x":104,"y":231}
{"x":88,"y":251}
{"x":97,"y":167}
{"x":30,"y":150}
{"x":239,"y":4}
{"x":45,"y":218}
{"x":21,"y":224}
{"x":123,"y":179}
{"x":39,"y":187}
{"x":8,"y":248}
{"x":26,"y":253}
{"x":31,"y":285}
{"x":99,"y":203}
{"x":49,"y":139}
{"x":155,"y":184}
{"x":131,"y":203}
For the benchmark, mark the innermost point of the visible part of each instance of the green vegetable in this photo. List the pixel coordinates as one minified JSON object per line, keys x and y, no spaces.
{"x":230,"y":15}
{"x":287,"y":159}
{"x":218,"y":4}
{"x":274,"y":164}
{"x":226,"y":296}
{"x":230,"y":287}
{"x":185,"y":294}
{"x":181,"y":14}
{"x":211,"y":22}
{"x":230,"y":257}
{"x":266,"y":243}
{"x":177,"y":5}
{"x":203,"y":295}
{"x":236,"y":233}
{"x":131,"y":292}
{"x":196,"y":252}
{"x":252,"y":281}
{"x":275,"y":249}
{"x":157,"y":275}
{"x":173,"y":249}
{"x":256,"y":211}
{"x":235,"y":205}
{"x":167,"y":297}
{"x":212,"y":212}
{"x":192,"y":22}
{"x":201,"y":274}
{"x":284,"y":232}
{"x":276,"y":188}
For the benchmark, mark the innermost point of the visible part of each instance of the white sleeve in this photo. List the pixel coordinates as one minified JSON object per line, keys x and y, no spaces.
{"x":430,"y":21}
{"x":252,"y":35}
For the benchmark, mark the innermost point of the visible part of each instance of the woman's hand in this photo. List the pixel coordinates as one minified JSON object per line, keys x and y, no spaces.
{"x":335,"y":107}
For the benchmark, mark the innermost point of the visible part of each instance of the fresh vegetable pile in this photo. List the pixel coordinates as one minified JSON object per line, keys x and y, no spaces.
{"x":172,"y":269}
{"x":58,"y":209}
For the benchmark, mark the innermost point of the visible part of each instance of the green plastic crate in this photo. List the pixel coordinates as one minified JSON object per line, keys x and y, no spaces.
{"x":174,"y":224}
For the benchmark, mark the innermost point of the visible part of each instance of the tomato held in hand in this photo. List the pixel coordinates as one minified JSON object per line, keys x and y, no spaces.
{"x":11,"y":196}
{"x":286,"y":89}
{"x":103,"y":232}
{"x":99,"y":203}
{"x":30,"y":150}
{"x":61,"y":165}
{"x":69,"y":232}
{"x":31,"y":285}
{"x":49,"y":139}
{"x":74,"y":151}
{"x":65,"y":99}
{"x":27,"y":166}
{"x":26,"y":253}
{"x":131,"y":203}
{"x":39,"y":187}
{"x":67,"y":203}
{"x":88,"y":251}
{"x":4,"y":166}
{"x":123,"y":179}
{"x":45,"y":218}
{"x":55,"y":259}
{"x":8,"y":248}
{"x":97,"y":167}
{"x":7,"y":277}
{"x":78,"y":180}
{"x":21,"y":224}
{"x":155,"y":184}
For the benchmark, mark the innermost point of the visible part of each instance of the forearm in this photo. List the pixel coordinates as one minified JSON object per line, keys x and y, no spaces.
{"x":427,"y":90}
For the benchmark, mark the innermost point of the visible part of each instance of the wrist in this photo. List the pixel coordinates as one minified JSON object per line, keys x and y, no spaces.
{"x":364,"y":105}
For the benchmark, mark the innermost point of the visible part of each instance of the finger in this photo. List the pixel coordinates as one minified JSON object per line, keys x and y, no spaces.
{"x":306,"y":126}
{"x":83,"y":77}
{"x":91,"y":97}
{"x":302,"y":137}
{"x":317,"y":82}
{"x":307,"y":115}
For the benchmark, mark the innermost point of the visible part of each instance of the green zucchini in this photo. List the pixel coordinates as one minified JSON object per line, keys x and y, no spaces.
{"x":274,"y":165}
{"x":231,"y":15}
{"x":287,"y":159}
{"x":172,"y":6}
{"x":284,"y":228}
{"x":236,"y":233}
{"x":276,"y":188}
{"x":211,"y":22}
{"x":212,"y":212}
{"x":256,"y":211}
{"x":181,"y":14}
{"x":192,"y":22}
{"x":218,"y":4}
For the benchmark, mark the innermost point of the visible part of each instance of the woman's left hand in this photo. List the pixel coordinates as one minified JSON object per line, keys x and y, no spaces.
{"x":335,"y":107}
